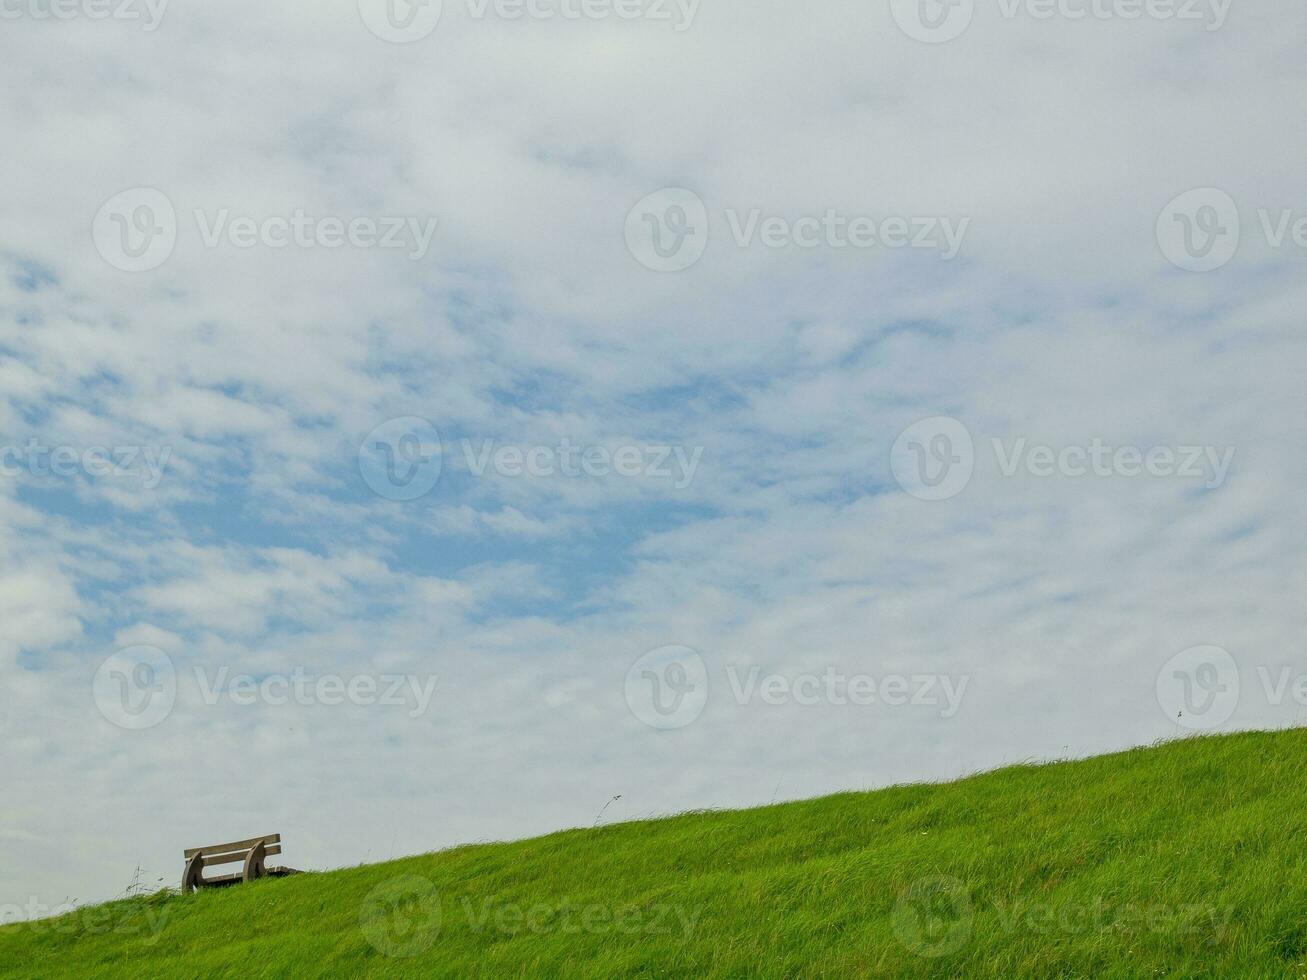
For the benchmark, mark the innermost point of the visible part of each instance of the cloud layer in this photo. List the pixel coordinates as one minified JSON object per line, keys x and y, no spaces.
{"x":247,"y":380}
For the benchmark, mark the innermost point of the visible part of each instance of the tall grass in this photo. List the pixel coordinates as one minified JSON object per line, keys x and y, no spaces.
{"x":1182,"y":860}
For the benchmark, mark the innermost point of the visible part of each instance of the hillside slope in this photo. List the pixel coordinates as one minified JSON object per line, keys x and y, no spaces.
{"x":1183,"y":860}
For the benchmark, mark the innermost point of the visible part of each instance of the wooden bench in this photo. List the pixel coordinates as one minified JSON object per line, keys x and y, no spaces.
{"x":252,"y":854}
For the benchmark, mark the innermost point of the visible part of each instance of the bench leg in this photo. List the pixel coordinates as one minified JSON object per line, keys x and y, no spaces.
{"x":193,"y":878}
{"x":255,"y":867}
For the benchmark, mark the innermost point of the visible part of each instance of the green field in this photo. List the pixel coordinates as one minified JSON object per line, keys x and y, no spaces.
{"x":1188,"y":859}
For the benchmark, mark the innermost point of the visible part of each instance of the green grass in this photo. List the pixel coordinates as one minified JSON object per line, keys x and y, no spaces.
{"x":1188,"y":859}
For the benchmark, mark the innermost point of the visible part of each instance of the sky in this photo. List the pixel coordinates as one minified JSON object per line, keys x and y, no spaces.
{"x":422,"y":424}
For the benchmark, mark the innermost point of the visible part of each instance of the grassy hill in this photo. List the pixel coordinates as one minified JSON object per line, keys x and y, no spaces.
{"x":1188,"y":859}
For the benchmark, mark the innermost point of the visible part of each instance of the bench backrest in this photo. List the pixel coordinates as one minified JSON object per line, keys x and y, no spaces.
{"x":217,"y":854}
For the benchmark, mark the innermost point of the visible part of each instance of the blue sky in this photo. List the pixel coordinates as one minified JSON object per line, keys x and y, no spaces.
{"x":768,"y":401}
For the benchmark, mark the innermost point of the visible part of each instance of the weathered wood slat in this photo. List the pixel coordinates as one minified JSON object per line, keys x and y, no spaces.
{"x":213,"y":860}
{"x":235,"y":879}
{"x":240,"y":845}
